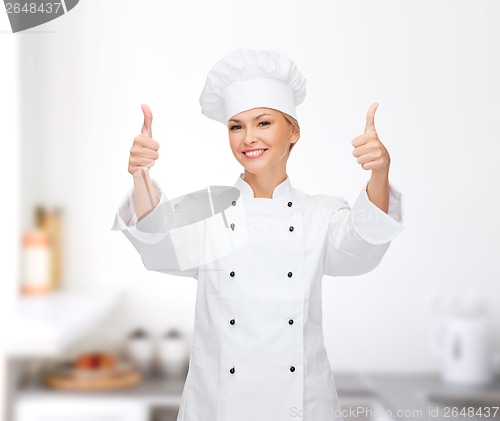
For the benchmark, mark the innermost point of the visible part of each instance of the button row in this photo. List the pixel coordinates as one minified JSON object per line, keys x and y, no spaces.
{"x":231,"y":274}
{"x":290,"y":228}
{"x":232,"y":370}
{"x":232,"y":321}
{"x":234,"y":203}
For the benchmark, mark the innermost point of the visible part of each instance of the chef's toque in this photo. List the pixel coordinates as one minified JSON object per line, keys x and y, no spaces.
{"x":246,"y":79}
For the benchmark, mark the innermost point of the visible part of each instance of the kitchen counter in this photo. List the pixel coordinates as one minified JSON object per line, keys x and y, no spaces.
{"x":405,"y":395}
{"x":421,"y":396}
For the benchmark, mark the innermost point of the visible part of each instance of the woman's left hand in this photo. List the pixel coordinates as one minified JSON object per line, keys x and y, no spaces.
{"x":371,"y":153}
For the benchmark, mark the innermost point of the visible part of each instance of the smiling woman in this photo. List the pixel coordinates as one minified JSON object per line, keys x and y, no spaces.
{"x":260,"y":139}
{"x":257,"y":350}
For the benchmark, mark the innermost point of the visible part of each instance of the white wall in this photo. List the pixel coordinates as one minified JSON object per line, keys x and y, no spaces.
{"x":432,"y":66}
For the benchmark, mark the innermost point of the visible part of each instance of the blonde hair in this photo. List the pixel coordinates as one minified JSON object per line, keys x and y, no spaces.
{"x":292,"y":121}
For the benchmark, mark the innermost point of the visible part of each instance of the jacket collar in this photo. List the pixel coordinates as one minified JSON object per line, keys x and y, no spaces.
{"x":281,"y":191}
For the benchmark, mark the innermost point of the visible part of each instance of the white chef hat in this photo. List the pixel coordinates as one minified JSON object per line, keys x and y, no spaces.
{"x":246,"y":79}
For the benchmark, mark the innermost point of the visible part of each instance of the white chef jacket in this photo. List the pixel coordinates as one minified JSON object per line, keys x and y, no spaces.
{"x":258,"y":351}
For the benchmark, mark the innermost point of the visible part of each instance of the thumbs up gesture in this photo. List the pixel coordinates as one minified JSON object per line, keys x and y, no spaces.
{"x":371,"y":153}
{"x":144,"y":151}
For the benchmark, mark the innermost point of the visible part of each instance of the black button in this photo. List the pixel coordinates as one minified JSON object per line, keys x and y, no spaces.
{"x":232,"y":370}
{"x":289,"y":274}
{"x":232,"y":227}
{"x":290,"y":322}
{"x":231,"y":321}
{"x":231,"y":274}
{"x":233,"y":202}
{"x":291,"y":228}
{"x":292,"y":368}
{"x":289,"y":204}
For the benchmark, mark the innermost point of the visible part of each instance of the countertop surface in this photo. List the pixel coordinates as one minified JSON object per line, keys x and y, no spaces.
{"x":422,"y":396}
{"x":402,"y":396}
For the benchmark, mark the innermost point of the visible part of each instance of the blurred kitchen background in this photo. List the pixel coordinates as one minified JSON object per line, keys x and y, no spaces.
{"x":418,"y":334}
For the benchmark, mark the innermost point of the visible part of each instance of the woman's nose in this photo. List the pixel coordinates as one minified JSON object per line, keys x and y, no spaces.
{"x":250,"y":138}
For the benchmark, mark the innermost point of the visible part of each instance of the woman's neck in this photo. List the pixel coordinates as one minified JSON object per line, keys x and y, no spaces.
{"x":263,"y":184}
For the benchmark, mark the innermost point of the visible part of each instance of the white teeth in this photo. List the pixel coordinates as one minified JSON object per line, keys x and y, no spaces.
{"x":255,"y":153}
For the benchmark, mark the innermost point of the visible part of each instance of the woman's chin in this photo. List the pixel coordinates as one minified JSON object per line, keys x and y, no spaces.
{"x":254,"y":168}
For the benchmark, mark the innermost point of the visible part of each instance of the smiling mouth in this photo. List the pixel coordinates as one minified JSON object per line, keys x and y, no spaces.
{"x":255,"y":153}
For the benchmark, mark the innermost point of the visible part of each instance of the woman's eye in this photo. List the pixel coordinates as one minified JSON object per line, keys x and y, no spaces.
{"x":237,"y":125}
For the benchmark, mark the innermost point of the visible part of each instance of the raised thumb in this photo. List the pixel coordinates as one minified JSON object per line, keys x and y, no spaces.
{"x":370,"y":118}
{"x":148,"y":121}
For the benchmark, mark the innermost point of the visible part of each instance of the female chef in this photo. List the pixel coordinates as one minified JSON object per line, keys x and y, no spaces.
{"x":257,"y":350}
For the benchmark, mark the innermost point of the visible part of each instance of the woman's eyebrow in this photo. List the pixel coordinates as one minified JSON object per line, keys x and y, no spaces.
{"x":256,"y":118}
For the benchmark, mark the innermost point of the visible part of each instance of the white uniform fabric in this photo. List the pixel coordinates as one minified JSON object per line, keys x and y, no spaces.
{"x":258,"y":351}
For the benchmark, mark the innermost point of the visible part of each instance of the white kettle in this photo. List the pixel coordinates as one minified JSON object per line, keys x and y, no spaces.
{"x":463,"y":341}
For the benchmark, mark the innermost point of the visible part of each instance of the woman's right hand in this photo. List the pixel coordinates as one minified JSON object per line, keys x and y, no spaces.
{"x":144,"y":151}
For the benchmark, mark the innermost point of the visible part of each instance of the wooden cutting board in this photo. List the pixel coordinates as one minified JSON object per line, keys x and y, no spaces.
{"x":118,"y":380}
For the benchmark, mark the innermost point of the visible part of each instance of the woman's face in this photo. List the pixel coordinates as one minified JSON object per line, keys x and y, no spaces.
{"x":265,"y":131}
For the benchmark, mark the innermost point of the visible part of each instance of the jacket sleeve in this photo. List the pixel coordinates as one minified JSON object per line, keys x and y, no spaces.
{"x":358,"y":238}
{"x":151,"y":236}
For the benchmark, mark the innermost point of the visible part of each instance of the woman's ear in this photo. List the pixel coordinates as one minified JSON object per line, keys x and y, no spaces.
{"x":295,"y":134}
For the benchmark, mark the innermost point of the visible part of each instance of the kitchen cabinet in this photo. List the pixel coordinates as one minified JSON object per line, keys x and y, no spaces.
{"x":59,"y":408}
{"x":155,"y":399}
